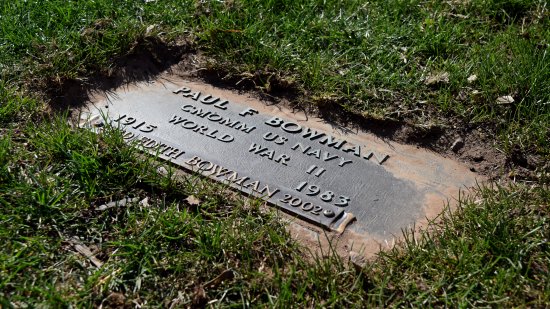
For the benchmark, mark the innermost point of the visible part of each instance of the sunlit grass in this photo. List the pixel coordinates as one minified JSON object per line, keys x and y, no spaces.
{"x":370,"y":58}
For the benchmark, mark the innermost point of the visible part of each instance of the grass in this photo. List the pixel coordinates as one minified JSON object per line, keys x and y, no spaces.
{"x":368,"y":58}
{"x":372,"y":59}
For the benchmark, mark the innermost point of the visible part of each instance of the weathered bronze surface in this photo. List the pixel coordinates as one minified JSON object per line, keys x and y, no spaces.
{"x":326,"y":175}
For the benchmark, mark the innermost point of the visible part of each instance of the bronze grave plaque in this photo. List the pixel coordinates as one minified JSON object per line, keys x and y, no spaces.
{"x":328,"y":176}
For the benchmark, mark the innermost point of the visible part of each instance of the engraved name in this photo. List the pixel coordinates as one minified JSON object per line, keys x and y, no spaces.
{"x":152,"y":145}
{"x":325,"y":139}
{"x":217,"y":171}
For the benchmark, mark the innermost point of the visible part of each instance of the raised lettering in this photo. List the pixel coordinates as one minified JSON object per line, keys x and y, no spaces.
{"x":275,"y":122}
{"x":269,"y":136}
{"x":244,"y":128}
{"x":327,"y":156}
{"x":199,"y":112}
{"x":226,"y":138}
{"x":174,"y":153}
{"x":212,"y":133}
{"x":283,"y":158}
{"x":188,"y":108}
{"x":163,"y":148}
{"x":148,"y":128}
{"x":119,"y":118}
{"x":221,"y":105}
{"x":312,"y":134}
{"x":291,"y":127}
{"x":379,"y":158}
{"x":356,"y":150}
{"x":150,"y":143}
{"x":268,"y":154}
{"x":228,"y":122}
{"x":344,"y":162}
{"x":332,"y":142}
{"x":202,"y":129}
{"x":195,"y":95}
{"x":176,"y":119}
{"x":214,"y":117}
{"x":281,"y":140}
{"x":234,"y":177}
{"x":209,"y":99}
{"x":316,"y":153}
{"x":319,"y":172}
{"x":221,"y":172}
{"x":269,"y":192}
{"x":205,"y":165}
{"x":189,"y":125}
{"x":255,"y":148}
{"x":248,"y":111}
{"x":128,"y":135}
{"x":182,"y":89}
{"x":193,"y":161}
{"x":253,"y":184}
{"x":302,"y":147}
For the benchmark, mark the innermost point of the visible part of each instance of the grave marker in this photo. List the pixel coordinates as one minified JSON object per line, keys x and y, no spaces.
{"x":325,"y":175}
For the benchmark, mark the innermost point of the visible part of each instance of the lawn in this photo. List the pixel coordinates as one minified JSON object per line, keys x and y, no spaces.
{"x":436,"y":67}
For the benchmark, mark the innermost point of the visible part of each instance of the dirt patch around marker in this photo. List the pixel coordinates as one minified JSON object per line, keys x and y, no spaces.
{"x":151,"y":56}
{"x":475,"y":146}
{"x":479,"y":148}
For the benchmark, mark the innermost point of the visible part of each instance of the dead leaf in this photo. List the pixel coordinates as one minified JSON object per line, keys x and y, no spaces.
{"x":472,"y":78}
{"x":122,"y":202}
{"x":193,"y":201}
{"x":459,"y":15}
{"x":149,"y":29}
{"x":87,"y":253}
{"x":161,"y":170}
{"x":144,"y":202}
{"x":438,"y":78}
{"x":507,"y":99}
{"x":403,"y":57}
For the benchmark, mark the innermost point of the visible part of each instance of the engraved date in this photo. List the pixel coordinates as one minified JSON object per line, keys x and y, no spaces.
{"x":326,"y":196}
{"x":307,"y":206}
{"x":131,"y":121}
